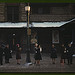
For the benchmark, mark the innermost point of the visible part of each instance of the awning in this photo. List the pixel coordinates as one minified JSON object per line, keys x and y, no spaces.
{"x":33,"y":24}
{"x":48,"y":24}
{"x":12,"y":25}
{"x":51,"y":24}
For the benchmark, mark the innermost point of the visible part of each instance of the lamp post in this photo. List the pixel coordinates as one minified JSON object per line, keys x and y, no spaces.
{"x":28,"y":60}
{"x":13,"y":41}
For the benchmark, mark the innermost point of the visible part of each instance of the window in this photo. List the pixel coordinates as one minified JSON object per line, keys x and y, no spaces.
{"x":46,"y":10}
{"x":12,"y":13}
{"x":40,"y":10}
{"x":34,"y":10}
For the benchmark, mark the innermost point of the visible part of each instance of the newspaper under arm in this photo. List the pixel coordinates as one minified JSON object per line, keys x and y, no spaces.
{"x":40,"y":49}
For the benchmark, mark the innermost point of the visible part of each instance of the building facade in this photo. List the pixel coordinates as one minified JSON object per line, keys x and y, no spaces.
{"x":41,"y":15}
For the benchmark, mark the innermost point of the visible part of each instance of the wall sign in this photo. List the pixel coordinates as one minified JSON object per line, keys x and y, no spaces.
{"x":55,"y":36}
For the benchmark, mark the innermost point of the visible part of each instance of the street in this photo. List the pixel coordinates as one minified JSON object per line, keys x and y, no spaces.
{"x":45,"y":65}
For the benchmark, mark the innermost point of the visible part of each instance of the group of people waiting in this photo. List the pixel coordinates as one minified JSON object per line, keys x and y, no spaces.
{"x":66,"y":53}
{"x":6,"y":52}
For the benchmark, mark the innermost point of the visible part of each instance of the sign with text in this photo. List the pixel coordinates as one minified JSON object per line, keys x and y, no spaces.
{"x":55,"y":36}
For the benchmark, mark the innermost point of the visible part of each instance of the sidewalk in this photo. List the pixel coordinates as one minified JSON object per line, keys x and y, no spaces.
{"x":45,"y":65}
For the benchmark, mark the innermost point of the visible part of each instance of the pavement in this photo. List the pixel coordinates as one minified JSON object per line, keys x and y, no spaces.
{"x":45,"y":65}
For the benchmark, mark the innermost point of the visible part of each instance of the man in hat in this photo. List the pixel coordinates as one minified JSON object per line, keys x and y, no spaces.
{"x":69,"y":53}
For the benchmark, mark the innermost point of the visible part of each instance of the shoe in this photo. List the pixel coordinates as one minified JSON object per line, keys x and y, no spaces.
{"x":53,"y":62}
{"x":18,"y":63}
{"x":1,"y":64}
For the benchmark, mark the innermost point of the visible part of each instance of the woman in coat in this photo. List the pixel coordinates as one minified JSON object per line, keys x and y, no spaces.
{"x":18,"y":54}
{"x":37,"y":54}
{"x":7,"y":53}
{"x":1,"y":55}
{"x":53,"y":53}
{"x":63,"y":54}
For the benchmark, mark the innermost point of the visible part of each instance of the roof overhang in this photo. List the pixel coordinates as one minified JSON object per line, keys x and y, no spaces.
{"x":48,"y":24}
{"x":33,"y":24}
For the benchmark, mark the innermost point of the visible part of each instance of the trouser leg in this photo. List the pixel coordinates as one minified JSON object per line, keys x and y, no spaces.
{"x":1,"y":61}
{"x":68,"y":61}
{"x":18,"y":60}
{"x":71,"y":60}
{"x":64,"y":60}
{"x":7,"y":60}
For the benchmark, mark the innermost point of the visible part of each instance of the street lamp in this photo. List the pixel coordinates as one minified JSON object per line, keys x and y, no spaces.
{"x":28,"y":60}
{"x":13,"y":41}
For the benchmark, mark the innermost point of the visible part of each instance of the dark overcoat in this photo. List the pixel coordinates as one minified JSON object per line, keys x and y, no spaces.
{"x":53,"y":53}
{"x":63,"y":53}
{"x":18,"y":53}
{"x":37,"y":55}
{"x":69,"y":52}
{"x":7,"y":53}
{"x":1,"y":54}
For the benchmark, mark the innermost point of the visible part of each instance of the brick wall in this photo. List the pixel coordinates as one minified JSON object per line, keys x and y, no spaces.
{"x":56,"y":13}
{"x":2,"y":13}
{"x":51,"y":17}
{"x":22,"y":13}
{"x":63,"y":10}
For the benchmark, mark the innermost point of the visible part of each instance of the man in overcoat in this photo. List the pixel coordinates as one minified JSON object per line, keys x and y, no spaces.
{"x":69,"y":53}
{"x":1,"y":55}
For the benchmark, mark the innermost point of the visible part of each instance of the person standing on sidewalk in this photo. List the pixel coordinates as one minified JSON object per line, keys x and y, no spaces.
{"x":18,"y":53}
{"x":37,"y":55}
{"x":69,"y":53}
{"x":1,"y":55}
{"x":7,"y":53}
{"x":63,"y":54}
{"x":53,"y":53}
